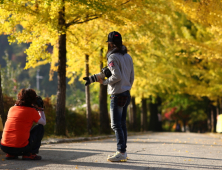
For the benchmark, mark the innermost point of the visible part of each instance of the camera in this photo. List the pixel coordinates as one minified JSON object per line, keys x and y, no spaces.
{"x":39,"y":102}
{"x":105,"y":72}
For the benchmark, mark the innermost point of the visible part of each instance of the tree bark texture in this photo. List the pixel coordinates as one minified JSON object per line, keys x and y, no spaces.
{"x":208,"y":111}
{"x":2,"y":113}
{"x":219,"y":106}
{"x":144,"y":115}
{"x":87,"y":92}
{"x":159,"y":114}
{"x":103,"y":109}
{"x":132,"y":115}
{"x":213,"y":119}
{"x":61,"y":92}
{"x":153,"y":124}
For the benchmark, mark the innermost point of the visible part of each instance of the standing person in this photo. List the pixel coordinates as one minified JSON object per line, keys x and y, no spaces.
{"x":19,"y":137}
{"x":119,"y":84}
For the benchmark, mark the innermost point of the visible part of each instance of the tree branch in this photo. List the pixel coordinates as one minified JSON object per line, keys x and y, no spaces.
{"x":86,"y":20}
{"x":76,"y":21}
{"x":70,"y":32}
{"x":72,"y":22}
{"x":125,"y":2}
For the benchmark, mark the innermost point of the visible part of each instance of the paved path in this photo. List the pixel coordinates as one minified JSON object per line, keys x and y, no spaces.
{"x":153,"y":151}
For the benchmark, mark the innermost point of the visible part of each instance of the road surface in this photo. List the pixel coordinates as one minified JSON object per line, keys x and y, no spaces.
{"x":150,"y":151}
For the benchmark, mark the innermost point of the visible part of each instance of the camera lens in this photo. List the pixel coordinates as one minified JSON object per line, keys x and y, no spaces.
{"x":93,"y":78}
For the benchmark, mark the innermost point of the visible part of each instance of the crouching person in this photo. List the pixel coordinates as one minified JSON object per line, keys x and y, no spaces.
{"x":19,"y":138}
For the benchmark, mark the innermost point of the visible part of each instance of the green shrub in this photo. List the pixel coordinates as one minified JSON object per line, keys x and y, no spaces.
{"x":76,"y":122}
{"x":50,"y":113}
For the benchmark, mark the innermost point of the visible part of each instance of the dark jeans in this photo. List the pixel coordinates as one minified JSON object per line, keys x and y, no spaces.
{"x":36,"y":135}
{"x":118,"y":112}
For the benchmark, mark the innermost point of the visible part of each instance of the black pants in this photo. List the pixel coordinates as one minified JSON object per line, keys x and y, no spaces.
{"x":36,"y":135}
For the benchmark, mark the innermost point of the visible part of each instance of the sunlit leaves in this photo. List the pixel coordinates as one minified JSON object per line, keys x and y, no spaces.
{"x":171,"y":54}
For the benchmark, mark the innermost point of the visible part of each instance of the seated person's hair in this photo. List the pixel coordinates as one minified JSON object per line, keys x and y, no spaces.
{"x":26,"y":97}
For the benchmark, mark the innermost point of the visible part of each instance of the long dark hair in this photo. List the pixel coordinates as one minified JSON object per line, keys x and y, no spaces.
{"x":118,"y":45}
{"x":26,"y":97}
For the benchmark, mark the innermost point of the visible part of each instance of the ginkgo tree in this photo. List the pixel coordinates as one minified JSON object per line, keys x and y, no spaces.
{"x":168,"y":65}
{"x":51,"y":22}
{"x":168,"y":55}
{"x":44,"y":23}
{"x":167,"y":51}
{"x":205,"y":14}
{"x":162,"y":64}
{"x":146,"y":44}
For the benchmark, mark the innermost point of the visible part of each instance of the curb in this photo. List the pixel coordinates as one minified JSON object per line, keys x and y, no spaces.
{"x":82,"y":139}
{"x":69,"y":140}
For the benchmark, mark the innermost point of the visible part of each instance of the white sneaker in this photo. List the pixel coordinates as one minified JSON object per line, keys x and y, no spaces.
{"x":117,"y":157}
{"x":115,"y":153}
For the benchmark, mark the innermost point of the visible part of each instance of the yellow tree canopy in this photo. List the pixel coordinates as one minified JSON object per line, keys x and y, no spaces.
{"x":178,"y":60}
{"x":171,"y":54}
{"x":39,"y":19}
{"x":205,"y":14}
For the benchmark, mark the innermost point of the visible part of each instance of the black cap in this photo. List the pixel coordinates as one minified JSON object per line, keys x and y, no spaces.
{"x":114,"y":37}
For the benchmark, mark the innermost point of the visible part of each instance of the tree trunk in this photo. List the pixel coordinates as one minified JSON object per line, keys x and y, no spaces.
{"x":213,"y":119}
{"x":132,"y":115}
{"x":159,"y":114}
{"x":184,"y":126}
{"x":103,"y":109}
{"x":61,"y":92}
{"x":144,"y":115}
{"x":153,"y":125}
{"x":208,"y":110}
{"x":2,"y":113}
{"x":219,"y":106}
{"x":88,"y":108}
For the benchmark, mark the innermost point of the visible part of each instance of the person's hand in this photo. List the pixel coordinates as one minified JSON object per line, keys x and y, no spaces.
{"x":87,"y":81}
{"x":100,"y":80}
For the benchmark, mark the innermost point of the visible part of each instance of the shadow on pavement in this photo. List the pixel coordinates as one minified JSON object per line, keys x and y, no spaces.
{"x":60,"y":158}
{"x":148,"y":155}
{"x":141,"y":141}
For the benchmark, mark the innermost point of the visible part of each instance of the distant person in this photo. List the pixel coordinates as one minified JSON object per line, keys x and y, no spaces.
{"x":178,"y":127}
{"x":119,"y":84}
{"x":159,"y":127}
{"x":19,"y":138}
